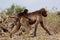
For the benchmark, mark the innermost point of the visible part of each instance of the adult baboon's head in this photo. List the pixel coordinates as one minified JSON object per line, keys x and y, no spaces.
{"x":43,"y":11}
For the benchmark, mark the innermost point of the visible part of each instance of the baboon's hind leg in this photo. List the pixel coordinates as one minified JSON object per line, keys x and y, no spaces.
{"x":15,"y":29}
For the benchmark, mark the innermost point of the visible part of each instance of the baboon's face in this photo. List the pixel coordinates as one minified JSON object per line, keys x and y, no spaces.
{"x":44,"y":13}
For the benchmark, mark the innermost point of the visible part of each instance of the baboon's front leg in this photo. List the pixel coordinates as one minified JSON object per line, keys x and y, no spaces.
{"x":44,"y":28}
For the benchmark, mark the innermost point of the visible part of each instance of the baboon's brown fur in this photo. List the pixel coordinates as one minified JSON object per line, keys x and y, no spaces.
{"x":35,"y":18}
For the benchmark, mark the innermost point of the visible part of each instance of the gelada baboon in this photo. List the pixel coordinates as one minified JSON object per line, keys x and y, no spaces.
{"x":35,"y":17}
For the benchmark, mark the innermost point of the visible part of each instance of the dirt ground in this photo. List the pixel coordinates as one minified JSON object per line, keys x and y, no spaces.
{"x":41,"y":35}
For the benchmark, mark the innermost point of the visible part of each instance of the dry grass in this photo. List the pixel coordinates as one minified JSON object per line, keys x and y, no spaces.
{"x":52,"y":23}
